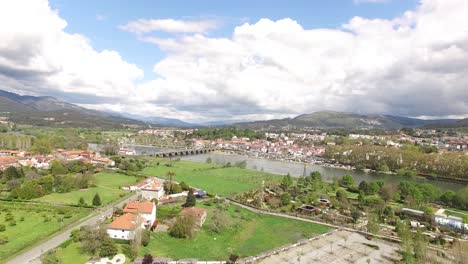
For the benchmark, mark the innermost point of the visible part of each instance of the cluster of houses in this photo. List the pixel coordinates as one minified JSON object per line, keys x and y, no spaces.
{"x":139,"y":215}
{"x":15,"y":158}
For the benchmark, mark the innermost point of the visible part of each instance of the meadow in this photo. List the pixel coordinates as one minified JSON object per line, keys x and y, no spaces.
{"x":213,"y":178}
{"x":25,"y":223}
{"x":107,"y":185}
{"x":249,"y":234}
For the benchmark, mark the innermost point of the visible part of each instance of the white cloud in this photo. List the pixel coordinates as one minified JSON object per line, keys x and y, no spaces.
{"x":170,"y":25}
{"x":37,"y":56}
{"x":416,"y":64}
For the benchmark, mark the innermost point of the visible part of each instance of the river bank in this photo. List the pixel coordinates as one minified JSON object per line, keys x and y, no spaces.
{"x":329,"y":173}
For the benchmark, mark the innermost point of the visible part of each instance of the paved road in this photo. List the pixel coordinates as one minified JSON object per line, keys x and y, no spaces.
{"x":32,"y":256}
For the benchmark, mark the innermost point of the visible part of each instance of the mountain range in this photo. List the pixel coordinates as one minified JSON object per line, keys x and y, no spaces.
{"x":336,"y":120}
{"x":50,"y":111}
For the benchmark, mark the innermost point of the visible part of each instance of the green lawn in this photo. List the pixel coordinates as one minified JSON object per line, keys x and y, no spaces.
{"x":250,"y":234}
{"x":213,"y":178}
{"x":72,"y":254}
{"x":107,"y":185}
{"x":33,"y":222}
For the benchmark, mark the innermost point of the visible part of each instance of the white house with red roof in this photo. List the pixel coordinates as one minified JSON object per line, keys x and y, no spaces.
{"x":138,"y":215}
{"x":150,"y":188}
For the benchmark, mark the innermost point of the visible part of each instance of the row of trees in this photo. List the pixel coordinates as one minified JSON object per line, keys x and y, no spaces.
{"x":225,"y":133}
{"x":452,"y":165}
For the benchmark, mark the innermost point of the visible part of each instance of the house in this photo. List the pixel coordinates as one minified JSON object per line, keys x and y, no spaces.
{"x":8,"y":161}
{"x":147,"y":210}
{"x":199,"y":214}
{"x":124,"y":227}
{"x":150,"y":188}
{"x":138,"y":215}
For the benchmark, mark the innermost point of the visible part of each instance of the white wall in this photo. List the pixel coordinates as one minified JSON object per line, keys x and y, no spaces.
{"x":120,"y":234}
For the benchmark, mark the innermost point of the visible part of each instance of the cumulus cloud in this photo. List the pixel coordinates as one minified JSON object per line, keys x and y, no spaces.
{"x":38,"y":57}
{"x":413,"y":65}
{"x":169,"y":25}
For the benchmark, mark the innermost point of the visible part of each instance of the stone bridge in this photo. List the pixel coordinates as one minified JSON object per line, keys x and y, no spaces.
{"x":181,"y":152}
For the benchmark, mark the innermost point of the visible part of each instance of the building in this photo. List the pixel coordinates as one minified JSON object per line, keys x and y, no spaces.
{"x":138,"y":215}
{"x":8,"y":161}
{"x":124,"y":227}
{"x":147,"y":210}
{"x":199,"y":214}
{"x":308,"y":209}
{"x":150,"y":188}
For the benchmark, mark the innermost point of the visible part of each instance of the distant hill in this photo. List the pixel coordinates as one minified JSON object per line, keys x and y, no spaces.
{"x":335,"y":120}
{"x":458,"y":124}
{"x":50,"y":111}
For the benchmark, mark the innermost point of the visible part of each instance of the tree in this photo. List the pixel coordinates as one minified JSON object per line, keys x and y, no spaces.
{"x":184,"y":186}
{"x":170,"y":174}
{"x":183,"y":227}
{"x":285,"y":199}
{"x":355,"y":214}
{"x":286,"y":182}
{"x":96,"y":200}
{"x":108,"y":248}
{"x":364,"y":187}
{"x":147,"y":259}
{"x":388,"y":192}
{"x":191,"y":200}
{"x":13,"y":173}
{"x":347,"y":180}
{"x":57,"y":168}
{"x":372,"y":224}
{"x":81,"y":202}
{"x":91,"y":239}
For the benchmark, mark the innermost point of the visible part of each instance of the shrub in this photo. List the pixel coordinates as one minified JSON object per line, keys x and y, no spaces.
{"x":3,"y":240}
{"x":145,"y":238}
{"x":2,"y":228}
{"x":183,"y":227}
{"x":108,"y":248}
{"x":128,"y":251}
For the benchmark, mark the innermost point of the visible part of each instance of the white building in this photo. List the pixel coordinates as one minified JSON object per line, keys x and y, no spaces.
{"x":146,"y":210}
{"x":123,"y":227}
{"x":138,"y":215}
{"x":150,"y":188}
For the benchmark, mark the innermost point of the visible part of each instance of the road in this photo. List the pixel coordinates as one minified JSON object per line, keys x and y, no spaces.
{"x":32,"y":255}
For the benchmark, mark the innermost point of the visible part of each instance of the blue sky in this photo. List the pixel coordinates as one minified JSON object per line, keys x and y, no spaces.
{"x":99,"y":20}
{"x":213,"y":60}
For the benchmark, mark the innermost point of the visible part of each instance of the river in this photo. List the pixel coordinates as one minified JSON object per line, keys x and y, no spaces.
{"x":328,"y":173}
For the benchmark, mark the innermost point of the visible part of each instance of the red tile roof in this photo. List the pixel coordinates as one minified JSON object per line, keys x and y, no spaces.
{"x":139,"y":207}
{"x":125,"y":222}
{"x":193,"y":211}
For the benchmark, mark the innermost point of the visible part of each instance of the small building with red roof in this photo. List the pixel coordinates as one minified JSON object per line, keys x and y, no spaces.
{"x":199,"y":214}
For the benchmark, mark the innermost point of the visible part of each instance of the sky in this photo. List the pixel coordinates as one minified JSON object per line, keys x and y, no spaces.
{"x":209,"y":60}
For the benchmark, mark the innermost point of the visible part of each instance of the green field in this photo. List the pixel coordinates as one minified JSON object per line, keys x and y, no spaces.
{"x":212,"y":178}
{"x":107,"y":185}
{"x":33,"y":222}
{"x":250,"y":234}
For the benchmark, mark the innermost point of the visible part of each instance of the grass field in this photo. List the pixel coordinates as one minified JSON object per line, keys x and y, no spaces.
{"x":250,"y":234}
{"x":213,"y":178}
{"x":107,"y":185}
{"x":71,"y":254}
{"x":33,"y":222}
